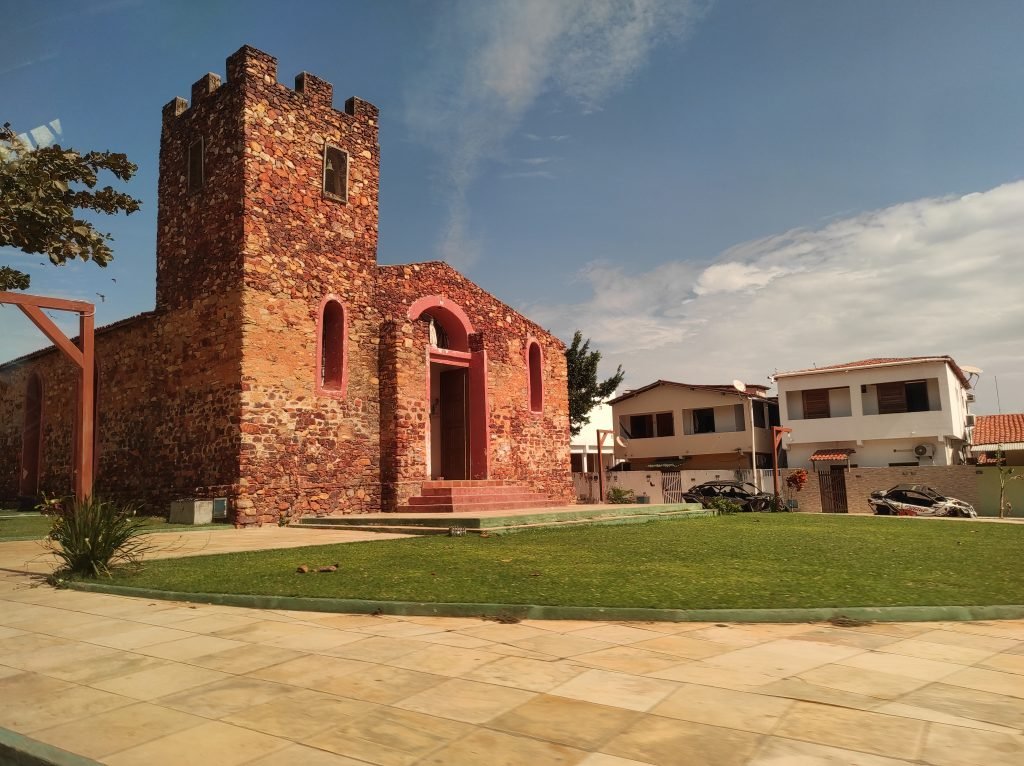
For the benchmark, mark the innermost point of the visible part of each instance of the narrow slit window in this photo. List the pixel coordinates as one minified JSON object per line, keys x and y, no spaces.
{"x":195,"y":166}
{"x":332,"y":347}
{"x":335,"y":173}
{"x":536,"y":383}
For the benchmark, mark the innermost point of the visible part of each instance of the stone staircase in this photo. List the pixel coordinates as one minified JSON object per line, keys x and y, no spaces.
{"x":475,"y":496}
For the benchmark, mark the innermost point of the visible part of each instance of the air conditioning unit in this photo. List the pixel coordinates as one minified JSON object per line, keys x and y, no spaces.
{"x":970,"y":396}
{"x":924,"y":450}
{"x":970,"y":420}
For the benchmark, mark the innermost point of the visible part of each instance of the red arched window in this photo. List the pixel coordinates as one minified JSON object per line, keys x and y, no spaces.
{"x":332,"y":348}
{"x":535,"y":378}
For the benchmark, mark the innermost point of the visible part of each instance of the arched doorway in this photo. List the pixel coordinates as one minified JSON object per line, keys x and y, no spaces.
{"x":32,"y":438}
{"x":456,"y":392}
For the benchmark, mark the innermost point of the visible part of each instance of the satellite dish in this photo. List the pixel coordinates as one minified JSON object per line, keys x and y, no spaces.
{"x":620,"y":441}
{"x":970,"y":369}
{"x":740,"y":386}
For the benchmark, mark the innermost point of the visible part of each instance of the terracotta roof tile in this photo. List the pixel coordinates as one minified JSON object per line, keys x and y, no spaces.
{"x":999,"y":429}
{"x":833,"y":454}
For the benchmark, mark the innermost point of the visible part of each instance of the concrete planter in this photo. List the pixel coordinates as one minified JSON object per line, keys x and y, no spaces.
{"x":191,"y":512}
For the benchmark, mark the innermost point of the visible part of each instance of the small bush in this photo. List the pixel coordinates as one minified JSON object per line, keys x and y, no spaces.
{"x":93,"y":536}
{"x":724,"y":506}
{"x":621,"y":495}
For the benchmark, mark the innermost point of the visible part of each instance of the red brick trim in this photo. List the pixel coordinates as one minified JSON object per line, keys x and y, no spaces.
{"x":451,"y":316}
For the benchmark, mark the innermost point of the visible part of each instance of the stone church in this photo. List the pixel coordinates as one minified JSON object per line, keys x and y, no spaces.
{"x":283,"y":370}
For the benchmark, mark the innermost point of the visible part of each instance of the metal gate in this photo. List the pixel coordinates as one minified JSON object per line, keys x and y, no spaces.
{"x":672,"y":487}
{"x":833,"y":490}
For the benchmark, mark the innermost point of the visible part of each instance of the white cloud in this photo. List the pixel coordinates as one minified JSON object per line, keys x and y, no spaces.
{"x":933,"y":276}
{"x":493,"y":60}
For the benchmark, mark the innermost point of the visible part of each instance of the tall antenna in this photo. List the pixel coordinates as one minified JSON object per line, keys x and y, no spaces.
{"x":999,"y":405}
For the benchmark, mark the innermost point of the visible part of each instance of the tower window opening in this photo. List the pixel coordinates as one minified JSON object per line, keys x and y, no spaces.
{"x":335,"y":173}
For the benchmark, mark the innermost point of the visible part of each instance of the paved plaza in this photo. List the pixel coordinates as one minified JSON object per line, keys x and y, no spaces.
{"x":133,"y":681}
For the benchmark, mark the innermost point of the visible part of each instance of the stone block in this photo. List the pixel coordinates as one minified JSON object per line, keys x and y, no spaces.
{"x":191,"y":512}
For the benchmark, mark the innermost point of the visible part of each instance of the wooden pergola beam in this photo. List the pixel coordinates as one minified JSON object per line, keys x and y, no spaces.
{"x":83,"y":357}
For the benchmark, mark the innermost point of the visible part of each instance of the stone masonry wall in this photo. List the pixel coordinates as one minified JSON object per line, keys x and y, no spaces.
{"x":524,"y":446}
{"x":305,"y":451}
{"x":166,"y":420}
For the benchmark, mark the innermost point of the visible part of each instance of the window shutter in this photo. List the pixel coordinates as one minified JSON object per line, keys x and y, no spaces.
{"x":666,"y":426}
{"x":816,"y":403}
{"x":892,"y":398}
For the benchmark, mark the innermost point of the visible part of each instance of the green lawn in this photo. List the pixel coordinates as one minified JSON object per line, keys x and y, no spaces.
{"x":32,"y":526}
{"x":741,"y":561}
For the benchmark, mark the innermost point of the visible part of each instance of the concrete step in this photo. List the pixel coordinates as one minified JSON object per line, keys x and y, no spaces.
{"x":475,"y":497}
{"x":480,"y":506}
{"x":442,"y":483}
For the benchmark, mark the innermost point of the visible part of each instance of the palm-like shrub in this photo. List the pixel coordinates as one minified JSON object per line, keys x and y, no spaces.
{"x":93,"y":536}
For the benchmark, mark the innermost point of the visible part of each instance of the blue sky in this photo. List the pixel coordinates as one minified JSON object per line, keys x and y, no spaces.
{"x":709,"y":190}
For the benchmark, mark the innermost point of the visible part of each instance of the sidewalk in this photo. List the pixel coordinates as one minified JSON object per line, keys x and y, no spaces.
{"x":130,"y":681}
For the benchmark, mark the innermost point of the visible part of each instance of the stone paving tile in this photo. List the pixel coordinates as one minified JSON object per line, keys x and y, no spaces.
{"x":853,"y":729}
{"x":524,"y":673}
{"x":902,"y":665}
{"x":603,"y":759}
{"x":499,"y":749}
{"x":683,"y":646}
{"x":468,"y":701}
{"x":969,"y":703}
{"x":628,"y":659}
{"x":380,"y":683}
{"x":389,"y":737}
{"x":502,"y":633}
{"x":448,"y":638}
{"x":41,"y":660}
{"x":299,"y":715}
{"x":1006,"y":663}
{"x":42,"y":702}
{"x":846,"y":637}
{"x":616,"y":689}
{"x":212,"y":623}
{"x":376,"y":649}
{"x":870,"y":683}
{"x":968,"y":640}
{"x":786,"y":752}
{"x":1007,"y":684}
{"x":799,"y":689}
{"x":92,"y":668}
{"x":130,"y":635}
{"x":617,"y":634}
{"x":118,"y":729}
{"x":927,"y":650}
{"x":927,"y":714}
{"x":255,"y":657}
{"x":211,"y":743}
{"x":956,"y":746}
{"x":664,"y":741}
{"x":300,"y":755}
{"x":224,"y":697}
{"x":783,"y":657}
{"x":558,"y":626}
{"x":444,"y":661}
{"x":397,"y":629}
{"x":557,"y":645}
{"x":698,"y":672}
{"x":724,"y":707}
{"x":159,"y":681}
{"x":311,"y":671}
{"x":187,"y":648}
{"x":575,"y":723}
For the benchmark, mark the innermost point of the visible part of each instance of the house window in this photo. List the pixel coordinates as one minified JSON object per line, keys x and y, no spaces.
{"x":648,"y":425}
{"x":536,"y":377}
{"x":816,"y":403}
{"x":759,"y":419}
{"x":739,"y":418}
{"x":332,"y":351}
{"x":195,"y":166}
{"x":576,"y":462}
{"x":704,"y":421}
{"x":909,"y":396}
{"x":335,"y":173}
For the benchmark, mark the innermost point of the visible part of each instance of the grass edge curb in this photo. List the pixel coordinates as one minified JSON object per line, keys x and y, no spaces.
{"x":18,"y":750}
{"x":597,"y":613}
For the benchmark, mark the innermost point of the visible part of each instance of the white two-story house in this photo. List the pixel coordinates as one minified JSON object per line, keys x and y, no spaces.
{"x":877,"y":412}
{"x":672,"y":426}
